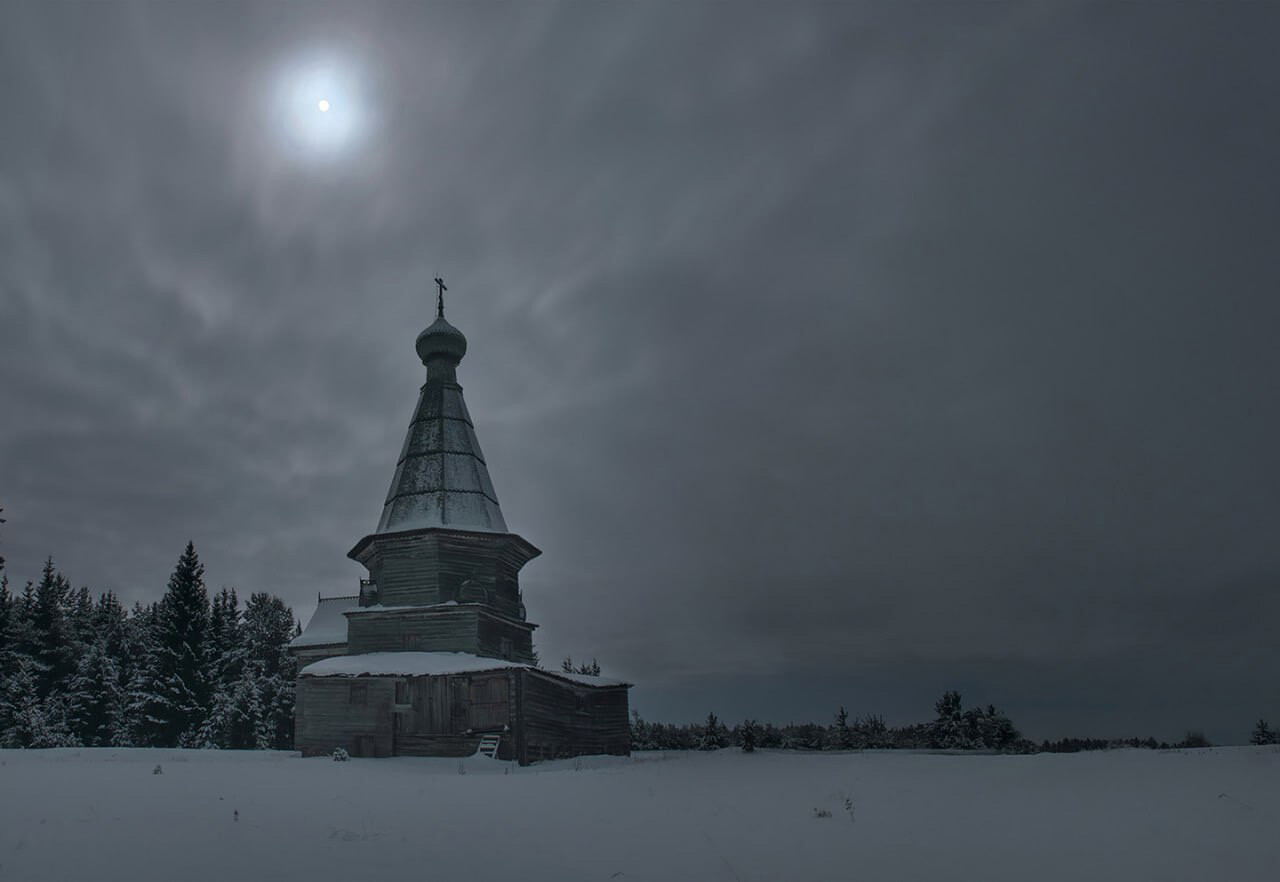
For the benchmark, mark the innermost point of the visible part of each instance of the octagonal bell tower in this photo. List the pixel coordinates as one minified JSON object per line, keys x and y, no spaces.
{"x":443,"y":567}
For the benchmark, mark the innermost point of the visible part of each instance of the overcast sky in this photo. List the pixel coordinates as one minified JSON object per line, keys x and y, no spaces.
{"x":836,"y":354}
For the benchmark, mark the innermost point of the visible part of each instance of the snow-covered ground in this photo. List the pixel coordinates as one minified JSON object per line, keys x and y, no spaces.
{"x":99,"y":815}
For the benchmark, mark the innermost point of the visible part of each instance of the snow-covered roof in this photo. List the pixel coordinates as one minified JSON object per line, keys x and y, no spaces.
{"x":441,"y":479}
{"x":405,"y":664}
{"x":584,"y":679}
{"x":328,"y":625}
{"x":417,"y":664}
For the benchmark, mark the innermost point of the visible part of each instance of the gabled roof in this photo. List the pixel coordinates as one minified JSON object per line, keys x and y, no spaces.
{"x":328,"y":625}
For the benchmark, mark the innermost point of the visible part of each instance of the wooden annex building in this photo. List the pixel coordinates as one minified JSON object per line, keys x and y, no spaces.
{"x":434,"y":655}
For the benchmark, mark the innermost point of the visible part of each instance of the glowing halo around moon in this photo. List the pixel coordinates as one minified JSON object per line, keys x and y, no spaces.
{"x":318,"y":109}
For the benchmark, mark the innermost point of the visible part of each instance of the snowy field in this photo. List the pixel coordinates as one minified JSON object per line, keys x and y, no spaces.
{"x":98,"y":815}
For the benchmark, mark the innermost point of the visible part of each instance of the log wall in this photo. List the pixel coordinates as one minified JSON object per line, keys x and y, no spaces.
{"x":354,"y":713}
{"x":427,"y":567}
{"x":448,"y":629}
{"x":540,"y":717}
{"x":440,"y":629}
{"x":561,"y":719}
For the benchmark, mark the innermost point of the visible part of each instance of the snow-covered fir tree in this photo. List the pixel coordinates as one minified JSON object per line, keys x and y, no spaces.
{"x":841,"y":733}
{"x":993,"y":729}
{"x":871,"y":732}
{"x":949,"y":730}
{"x":48,"y":634}
{"x":642,"y":734}
{"x":226,"y":666}
{"x":80,"y":619}
{"x":714,"y":734}
{"x":1263,"y":734}
{"x":226,"y":656}
{"x":172,"y":693}
{"x":268,"y":626}
{"x":138,"y":639}
{"x":21,"y":716}
{"x":112,"y":630}
{"x":96,"y":699}
{"x":26,"y":718}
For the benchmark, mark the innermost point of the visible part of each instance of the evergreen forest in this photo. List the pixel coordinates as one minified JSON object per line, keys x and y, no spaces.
{"x":186,"y":671}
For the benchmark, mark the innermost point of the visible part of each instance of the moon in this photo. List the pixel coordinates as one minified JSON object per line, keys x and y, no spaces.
{"x":319,"y":106}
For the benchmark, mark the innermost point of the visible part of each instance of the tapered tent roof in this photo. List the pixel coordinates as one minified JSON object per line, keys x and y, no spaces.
{"x":441,"y":479}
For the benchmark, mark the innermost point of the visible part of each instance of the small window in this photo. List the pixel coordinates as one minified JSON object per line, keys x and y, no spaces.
{"x":506,"y":647}
{"x":402,"y":691}
{"x":359,"y":694}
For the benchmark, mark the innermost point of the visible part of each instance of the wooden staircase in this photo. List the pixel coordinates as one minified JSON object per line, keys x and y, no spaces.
{"x":489,"y":746}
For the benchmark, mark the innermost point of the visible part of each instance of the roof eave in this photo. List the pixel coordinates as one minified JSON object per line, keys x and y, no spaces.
{"x":530,"y":551}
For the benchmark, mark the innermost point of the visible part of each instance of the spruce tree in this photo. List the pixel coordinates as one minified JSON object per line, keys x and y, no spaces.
{"x":96,"y":699}
{"x":714,"y":735}
{"x":747,"y":736}
{"x":137,"y":653}
{"x":268,"y":628}
{"x":1262,"y":734}
{"x":871,"y":732}
{"x":642,"y":735}
{"x":56,"y":719}
{"x":842,"y":736}
{"x":111,"y":625}
{"x":17,"y":643}
{"x":226,"y":666}
{"x":51,"y":643}
{"x":226,"y":649}
{"x":237,"y":720}
{"x":80,"y":623}
{"x":996,"y":730}
{"x":251,"y":723}
{"x":949,"y":730}
{"x":22,"y":721}
{"x":174,"y":692}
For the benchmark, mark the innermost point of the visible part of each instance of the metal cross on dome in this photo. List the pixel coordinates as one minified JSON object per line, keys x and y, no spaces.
{"x":440,"y":297}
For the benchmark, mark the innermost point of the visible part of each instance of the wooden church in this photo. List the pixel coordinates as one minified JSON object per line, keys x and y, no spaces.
{"x":434,"y":655}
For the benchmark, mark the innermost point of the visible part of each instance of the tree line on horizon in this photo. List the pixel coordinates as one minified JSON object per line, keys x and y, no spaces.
{"x":978,"y":728}
{"x":185,"y":671}
{"x":952,"y":728}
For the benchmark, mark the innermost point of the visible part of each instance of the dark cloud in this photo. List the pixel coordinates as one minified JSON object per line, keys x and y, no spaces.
{"x":873,"y":348}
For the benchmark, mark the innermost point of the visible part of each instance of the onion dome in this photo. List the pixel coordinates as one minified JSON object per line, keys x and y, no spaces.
{"x":441,"y":340}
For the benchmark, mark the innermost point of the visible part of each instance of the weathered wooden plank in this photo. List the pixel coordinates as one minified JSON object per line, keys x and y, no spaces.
{"x":560,"y":719}
{"x":351,"y":713}
{"x":426,"y":567}
{"x":464,"y":628}
{"x":541,"y":717}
